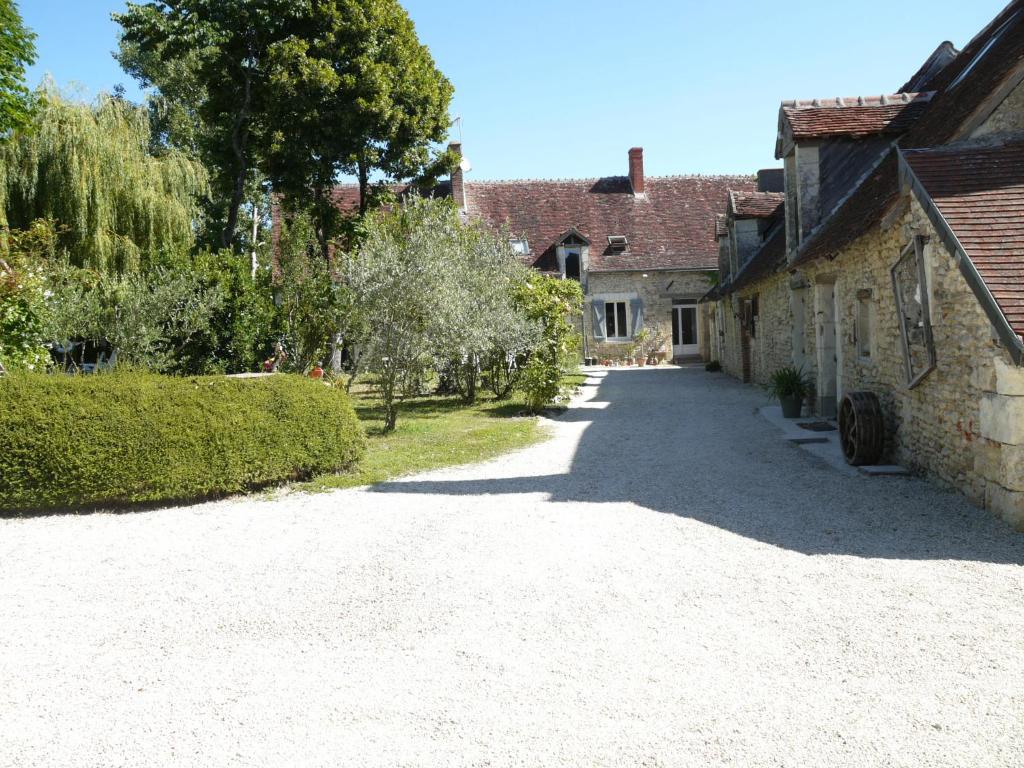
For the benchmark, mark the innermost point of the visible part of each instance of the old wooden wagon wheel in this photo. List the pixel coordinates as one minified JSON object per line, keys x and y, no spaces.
{"x":862,"y":428}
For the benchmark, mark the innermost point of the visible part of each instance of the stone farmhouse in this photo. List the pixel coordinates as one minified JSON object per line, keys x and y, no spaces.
{"x":894,"y":263}
{"x":640,"y":246}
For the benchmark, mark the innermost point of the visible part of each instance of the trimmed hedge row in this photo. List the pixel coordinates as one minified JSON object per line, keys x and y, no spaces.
{"x":123,"y":438}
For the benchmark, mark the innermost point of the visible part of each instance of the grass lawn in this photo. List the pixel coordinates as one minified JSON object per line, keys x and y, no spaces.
{"x":435,"y":432}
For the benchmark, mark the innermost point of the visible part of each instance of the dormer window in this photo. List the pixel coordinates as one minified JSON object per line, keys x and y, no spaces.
{"x":572,"y":250}
{"x":618,"y":243}
{"x":573,"y":258}
{"x":522,"y":247}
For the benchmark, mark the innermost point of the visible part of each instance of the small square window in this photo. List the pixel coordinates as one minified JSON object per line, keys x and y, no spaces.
{"x":618,"y":243}
{"x":522,"y":247}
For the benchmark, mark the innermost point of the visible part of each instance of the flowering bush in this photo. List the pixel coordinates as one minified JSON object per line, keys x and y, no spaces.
{"x":23,"y":298}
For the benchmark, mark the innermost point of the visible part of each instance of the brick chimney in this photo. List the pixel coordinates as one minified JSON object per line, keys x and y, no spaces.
{"x":636,"y":170}
{"x":458,"y":178}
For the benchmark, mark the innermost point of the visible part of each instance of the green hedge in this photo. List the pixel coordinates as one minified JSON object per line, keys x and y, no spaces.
{"x":123,"y":438}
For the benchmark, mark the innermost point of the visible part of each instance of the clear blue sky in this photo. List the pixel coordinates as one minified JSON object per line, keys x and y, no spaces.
{"x":562,"y":88}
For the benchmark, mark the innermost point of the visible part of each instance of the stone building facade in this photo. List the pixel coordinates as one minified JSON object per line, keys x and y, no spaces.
{"x":903,"y":265}
{"x":640,"y":247}
{"x":657,"y":295}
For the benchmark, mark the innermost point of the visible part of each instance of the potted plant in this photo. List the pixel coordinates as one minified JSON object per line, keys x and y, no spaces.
{"x":630,"y":354}
{"x":790,"y":386}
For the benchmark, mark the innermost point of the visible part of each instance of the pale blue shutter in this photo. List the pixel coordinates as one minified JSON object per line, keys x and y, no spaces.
{"x":636,"y":309}
{"x":599,"y":321}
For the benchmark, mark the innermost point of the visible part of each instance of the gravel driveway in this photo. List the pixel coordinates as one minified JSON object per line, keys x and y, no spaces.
{"x":664,"y":583}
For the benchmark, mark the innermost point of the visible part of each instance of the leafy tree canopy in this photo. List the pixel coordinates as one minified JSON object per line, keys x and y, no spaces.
{"x":302,"y":89}
{"x":17,"y":51}
{"x":89,"y":169}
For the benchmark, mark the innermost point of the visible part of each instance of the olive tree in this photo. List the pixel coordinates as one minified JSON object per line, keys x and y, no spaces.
{"x":397,"y":281}
{"x":483,"y":326}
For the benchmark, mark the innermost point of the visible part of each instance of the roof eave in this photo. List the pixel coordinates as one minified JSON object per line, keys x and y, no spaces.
{"x":599,"y":270}
{"x":1013,"y":343}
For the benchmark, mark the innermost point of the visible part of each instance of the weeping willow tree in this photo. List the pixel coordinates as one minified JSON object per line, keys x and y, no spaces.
{"x":89,"y":168}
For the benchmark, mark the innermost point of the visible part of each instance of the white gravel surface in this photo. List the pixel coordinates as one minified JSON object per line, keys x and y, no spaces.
{"x":664,"y":583}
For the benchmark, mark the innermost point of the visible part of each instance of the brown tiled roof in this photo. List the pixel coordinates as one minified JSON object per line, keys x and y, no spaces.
{"x":933,"y":65}
{"x":857,"y":116}
{"x":769,"y":257}
{"x":850,"y":117}
{"x":984,"y":65}
{"x":721,"y":225}
{"x":346,"y":196}
{"x":756,"y":205}
{"x":667,"y":228}
{"x":980,"y":194}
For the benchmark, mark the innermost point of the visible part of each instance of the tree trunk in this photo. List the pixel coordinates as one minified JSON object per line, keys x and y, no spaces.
{"x":255,"y":235}
{"x":337,"y":348}
{"x":470,"y":371}
{"x":364,"y":185}
{"x":240,"y":147}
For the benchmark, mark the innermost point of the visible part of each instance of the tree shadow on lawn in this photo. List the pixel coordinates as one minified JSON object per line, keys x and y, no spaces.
{"x":689,"y":443}
{"x":429,"y":407}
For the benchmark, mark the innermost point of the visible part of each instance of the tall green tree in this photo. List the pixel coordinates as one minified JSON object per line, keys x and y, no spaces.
{"x":17,"y":51}
{"x":207,"y":60}
{"x":304,"y":90}
{"x":89,"y":169}
{"x":365,"y":98}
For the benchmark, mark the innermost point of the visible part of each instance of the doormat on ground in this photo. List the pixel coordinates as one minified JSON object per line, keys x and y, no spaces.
{"x":818,"y":426}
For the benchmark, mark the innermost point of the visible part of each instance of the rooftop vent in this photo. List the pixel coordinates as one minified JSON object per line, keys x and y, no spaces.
{"x":618,"y":242}
{"x":520,"y":246}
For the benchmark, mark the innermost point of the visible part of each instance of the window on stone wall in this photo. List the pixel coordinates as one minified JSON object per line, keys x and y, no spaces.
{"x":910,"y":286}
{"x":749,"y":317}
{"x":572,"y":264}
{"x":615,"y":320}
{"x":865,"y":319}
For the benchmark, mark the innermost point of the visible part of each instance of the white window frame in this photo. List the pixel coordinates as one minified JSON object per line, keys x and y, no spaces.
{"x":615,"y":302}
{"x":520,"y":245}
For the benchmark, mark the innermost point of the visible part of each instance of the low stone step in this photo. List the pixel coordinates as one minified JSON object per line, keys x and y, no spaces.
{"x":804,"y":439}
{"x":885,"y":470}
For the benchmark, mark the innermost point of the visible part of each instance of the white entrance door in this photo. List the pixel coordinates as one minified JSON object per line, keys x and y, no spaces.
{"x":684,"y":331}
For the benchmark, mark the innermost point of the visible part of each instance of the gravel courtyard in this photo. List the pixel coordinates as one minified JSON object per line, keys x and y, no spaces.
{"x":664,"y":583}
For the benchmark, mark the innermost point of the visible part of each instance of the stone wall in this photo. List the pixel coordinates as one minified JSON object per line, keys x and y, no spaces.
{"x":657,"y":291}
{"x":939,"y":428}
{"x":731,"y":336}
{"x":771,"y":348}
{"x":770,"y":351}
{"x":1000,"y":455}
{"x":1008,"y":118}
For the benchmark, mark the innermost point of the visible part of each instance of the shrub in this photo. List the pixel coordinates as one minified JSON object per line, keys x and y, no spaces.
{"x":23,"y":297}
{"x":120,"y":438}
{"x":554,"y":304}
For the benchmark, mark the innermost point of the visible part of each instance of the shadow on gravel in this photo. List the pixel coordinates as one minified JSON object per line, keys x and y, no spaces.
{"x":689,"y":443}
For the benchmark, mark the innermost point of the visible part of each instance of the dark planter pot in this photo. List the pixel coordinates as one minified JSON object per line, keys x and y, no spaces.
{"x":791,"y":407}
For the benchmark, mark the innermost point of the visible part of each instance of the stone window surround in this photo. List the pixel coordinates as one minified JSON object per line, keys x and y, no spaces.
{"x":864,"y":325}
{"x":627,"y":298}
{"x":918,"y":247}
